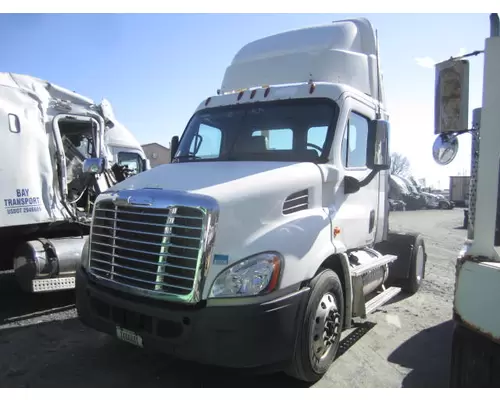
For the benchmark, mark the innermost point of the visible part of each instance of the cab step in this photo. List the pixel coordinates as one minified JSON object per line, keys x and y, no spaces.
{"x":382,"y":298}
{"x":373,"y":265}
{"x":53,"y":284}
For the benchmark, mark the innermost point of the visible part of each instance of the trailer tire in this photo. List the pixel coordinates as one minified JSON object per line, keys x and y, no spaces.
{"x":417,"y":267}
{"x":323,"y":315}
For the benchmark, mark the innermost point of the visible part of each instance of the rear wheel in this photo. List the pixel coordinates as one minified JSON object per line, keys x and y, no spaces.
{"x":417,"y":267}
{"x":319,"y":334}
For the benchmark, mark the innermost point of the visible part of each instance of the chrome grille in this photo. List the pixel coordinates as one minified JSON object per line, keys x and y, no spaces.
{"x":152,"y":249}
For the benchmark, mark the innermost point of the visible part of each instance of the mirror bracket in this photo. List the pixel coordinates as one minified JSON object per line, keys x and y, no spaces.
{"x":351,"y":185}
{"x":174,"y":146}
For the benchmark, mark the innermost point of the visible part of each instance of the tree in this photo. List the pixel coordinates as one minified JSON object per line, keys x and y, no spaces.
{"x":400,"y":165}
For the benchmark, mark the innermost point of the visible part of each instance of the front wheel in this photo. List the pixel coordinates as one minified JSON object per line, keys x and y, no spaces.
{"x":319,"y":333}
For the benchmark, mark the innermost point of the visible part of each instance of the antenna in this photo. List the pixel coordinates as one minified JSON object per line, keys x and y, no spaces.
{"x":379,"y":83}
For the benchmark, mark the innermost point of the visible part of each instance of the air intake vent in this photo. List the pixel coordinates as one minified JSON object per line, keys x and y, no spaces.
{"x":296,"y":202}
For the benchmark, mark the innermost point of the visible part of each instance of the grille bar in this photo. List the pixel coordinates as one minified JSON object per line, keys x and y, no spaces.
{"x":116,"y":274}
{"x":138,"y":260}
{"x":142,"y":242}
{"x":158,"y":215}
{"x":147,"y":233}
{"x":142,"y":251}
{"x":144,"y":271}
{"x":157,"y":250}
{"x":164,"y":264}
{"x":143,"y":223}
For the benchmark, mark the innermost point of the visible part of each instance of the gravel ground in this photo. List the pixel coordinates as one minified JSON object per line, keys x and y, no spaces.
{"x":404,"y":344}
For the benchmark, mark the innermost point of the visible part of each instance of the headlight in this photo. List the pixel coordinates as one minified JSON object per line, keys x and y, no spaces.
{"x":256,"y":275}
{"x":85,"y":254}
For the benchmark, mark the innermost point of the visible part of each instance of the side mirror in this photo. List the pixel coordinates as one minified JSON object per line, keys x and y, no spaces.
{"x":445,"y":149}
{"x":174,"y":145}
{"x":93,"y":166}
{"x":377,"y":152}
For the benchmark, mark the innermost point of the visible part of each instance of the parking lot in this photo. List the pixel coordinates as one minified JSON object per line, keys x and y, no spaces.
{"x":404,"y":344}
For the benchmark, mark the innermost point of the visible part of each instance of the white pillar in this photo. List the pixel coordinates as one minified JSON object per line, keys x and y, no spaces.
{"x":489,"y":157}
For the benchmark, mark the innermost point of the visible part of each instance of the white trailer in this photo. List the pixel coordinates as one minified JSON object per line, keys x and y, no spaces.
{"x":476,"y":338}
{"x":268,"y":233}
{"x":48,"y":134}
{"x":459,"y":190}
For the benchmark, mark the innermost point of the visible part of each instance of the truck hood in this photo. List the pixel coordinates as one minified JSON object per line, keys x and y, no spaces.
{"x":227,"y":181}
{"x":250,"y":196}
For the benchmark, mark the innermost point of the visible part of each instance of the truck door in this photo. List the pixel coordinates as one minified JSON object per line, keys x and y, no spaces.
{"x":358,"y":212}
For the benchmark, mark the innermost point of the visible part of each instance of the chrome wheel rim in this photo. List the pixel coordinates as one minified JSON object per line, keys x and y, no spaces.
{"x":325,"y":327}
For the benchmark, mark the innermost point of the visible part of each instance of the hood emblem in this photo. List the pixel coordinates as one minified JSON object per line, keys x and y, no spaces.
{"x":135,"y":200}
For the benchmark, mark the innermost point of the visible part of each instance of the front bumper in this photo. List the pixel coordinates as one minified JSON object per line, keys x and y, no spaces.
{"x":246,"y":336}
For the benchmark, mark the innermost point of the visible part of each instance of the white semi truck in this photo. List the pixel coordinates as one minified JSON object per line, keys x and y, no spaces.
{"x":48,"y":132}
{"x":267,"y":235}
{"x":476,"y":338}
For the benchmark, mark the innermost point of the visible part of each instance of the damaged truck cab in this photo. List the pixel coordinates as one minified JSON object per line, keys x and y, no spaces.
{"x":268,"y":233}
{"x":50,"y":135}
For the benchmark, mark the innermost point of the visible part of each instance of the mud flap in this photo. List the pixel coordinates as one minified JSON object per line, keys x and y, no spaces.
{"x":400,"y":244}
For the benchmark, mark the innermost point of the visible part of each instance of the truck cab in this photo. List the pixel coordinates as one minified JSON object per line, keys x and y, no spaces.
{"x":124,"y":149}
{"x":51,"y":139}
{"x":268,"y":233}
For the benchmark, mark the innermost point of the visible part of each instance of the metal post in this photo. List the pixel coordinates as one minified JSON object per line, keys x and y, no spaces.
{"x":474,"y":157}
{"x":488,"y":169}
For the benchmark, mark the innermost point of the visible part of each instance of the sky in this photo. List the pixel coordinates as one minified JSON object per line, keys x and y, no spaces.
{"x":155,"y":69}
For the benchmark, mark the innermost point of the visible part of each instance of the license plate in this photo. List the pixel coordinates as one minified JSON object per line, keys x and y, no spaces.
{"x":129,"y":336}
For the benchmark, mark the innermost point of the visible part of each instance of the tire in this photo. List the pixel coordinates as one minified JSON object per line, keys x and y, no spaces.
{"x":326,"y":295}
{"x":417,"y":267}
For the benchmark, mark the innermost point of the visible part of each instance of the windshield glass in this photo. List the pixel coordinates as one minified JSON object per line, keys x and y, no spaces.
{"x":298,"y":130}
{"x":131,"y":160}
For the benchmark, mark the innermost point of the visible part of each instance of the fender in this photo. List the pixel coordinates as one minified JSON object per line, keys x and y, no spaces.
{"x":337,"y":249}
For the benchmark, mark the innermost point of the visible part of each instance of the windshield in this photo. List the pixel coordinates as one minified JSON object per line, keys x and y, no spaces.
{"x":132,"y":161}
{"x":296,"y":130}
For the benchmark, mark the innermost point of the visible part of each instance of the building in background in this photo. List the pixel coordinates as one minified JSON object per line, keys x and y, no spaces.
{"x":156,"y":154}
